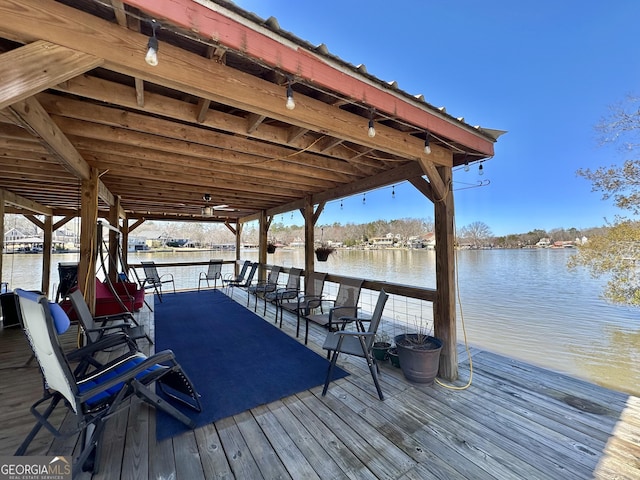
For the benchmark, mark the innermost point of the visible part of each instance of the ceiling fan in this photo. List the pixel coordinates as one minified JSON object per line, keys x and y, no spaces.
{"x":208,"y":210}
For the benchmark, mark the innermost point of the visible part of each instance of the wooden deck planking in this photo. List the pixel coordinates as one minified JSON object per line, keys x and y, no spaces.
{"x":516,"y":421}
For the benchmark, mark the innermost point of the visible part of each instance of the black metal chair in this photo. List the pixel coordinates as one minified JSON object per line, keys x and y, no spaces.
{"x":68,"y":273}
{"x":153,"y":280}
{"x":289,"y":291}
{"x":302,"y":305}
{"x":246,"y":282}
{"x":356,"y":343}
{"x":214,"y":272}
{"x":95,"y":328}
{"x":260,"y":289}
{"x":95,"y":396}
{"x":230,"y":279}
{"x":345,"y":304}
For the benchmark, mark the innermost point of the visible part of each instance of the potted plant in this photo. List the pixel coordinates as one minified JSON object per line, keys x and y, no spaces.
{"x":271,"y":247}
{"x":394,"y":357}
{"x":419,"y":355}
{"x":381,"y":346}
{"x":323,"y":252}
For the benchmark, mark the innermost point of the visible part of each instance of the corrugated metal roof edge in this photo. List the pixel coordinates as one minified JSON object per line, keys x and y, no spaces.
{"x":272,"y":24}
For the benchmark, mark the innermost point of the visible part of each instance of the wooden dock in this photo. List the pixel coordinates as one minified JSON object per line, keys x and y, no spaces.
{"x":515,"y":421}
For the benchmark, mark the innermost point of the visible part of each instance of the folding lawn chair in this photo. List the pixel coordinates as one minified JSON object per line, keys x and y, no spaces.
{"x":94,"y":396}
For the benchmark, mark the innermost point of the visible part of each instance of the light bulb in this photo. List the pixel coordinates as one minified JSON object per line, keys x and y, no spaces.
{"x":372,"y":131}
{"x":480,"y":170}
{"x":152,"y":53}
{"x":466,"y":166}
{"x":427,"y":147}
{"x":291,"y":104}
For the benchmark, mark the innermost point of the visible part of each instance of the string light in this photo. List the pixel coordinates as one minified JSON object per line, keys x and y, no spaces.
{"x":291,"y":104}
{"x":152,"y":53}
{"x":480,"y":170}
{"x":393,"y":191}
{"x":364,"y":198}
{"x":340,"y":204}
{"x":427,"y":147}
{"x":372,"y":130}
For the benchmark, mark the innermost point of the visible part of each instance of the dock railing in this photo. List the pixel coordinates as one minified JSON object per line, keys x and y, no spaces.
{"x":408,"y":307}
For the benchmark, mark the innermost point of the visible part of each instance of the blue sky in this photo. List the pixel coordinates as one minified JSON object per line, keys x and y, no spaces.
{"x":545,"y":71}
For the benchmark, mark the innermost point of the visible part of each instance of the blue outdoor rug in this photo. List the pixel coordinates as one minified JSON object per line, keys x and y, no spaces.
{"x":235,"y":359}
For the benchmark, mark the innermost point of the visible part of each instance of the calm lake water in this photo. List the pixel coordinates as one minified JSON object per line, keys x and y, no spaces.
{"x":523,"y":304}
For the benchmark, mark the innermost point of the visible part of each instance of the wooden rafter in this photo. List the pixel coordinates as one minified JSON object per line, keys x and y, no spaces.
{"x":200,"y":77}
{"x":38,"y":66}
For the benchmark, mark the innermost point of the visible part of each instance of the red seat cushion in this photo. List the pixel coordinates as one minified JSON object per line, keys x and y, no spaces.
{"x":107,"y":304}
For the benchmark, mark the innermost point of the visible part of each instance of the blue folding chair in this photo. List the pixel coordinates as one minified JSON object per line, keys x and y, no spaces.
{"x":94,"y":395}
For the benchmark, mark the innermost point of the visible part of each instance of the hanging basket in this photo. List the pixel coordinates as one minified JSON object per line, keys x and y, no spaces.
{"x":322,"y":253}
{"x":322,"y":256}
{"x":271,"y":249}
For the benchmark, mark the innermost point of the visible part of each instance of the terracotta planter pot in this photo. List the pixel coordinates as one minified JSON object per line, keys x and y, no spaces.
{"x":419,"y":357}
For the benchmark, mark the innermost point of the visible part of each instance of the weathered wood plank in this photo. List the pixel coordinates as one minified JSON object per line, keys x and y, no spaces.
{"x":187,"y":457}
{"x":162,"y":462}
{"x":320,"y":460}
{"x":212,"y":455}
{"x":369,"y":408}
{"x":135,"y":463}
{"x":351,"y":465}
{"x":261,"y":449}
{"x":291,"y":457}
{"x":238,"y":452}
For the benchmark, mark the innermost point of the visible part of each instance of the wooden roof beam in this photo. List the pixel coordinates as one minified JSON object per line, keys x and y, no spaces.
{"x":116,"y":94}
{"x":411,"y":169}
{"x":33,"y":116}
{"x":33,"y":68}
{"x":204,"y":103}
{"x":194,"y":75}
{"x":295,"y":133}
{"x":329,"y":143}
{"x":253,"y":122}
{"x":15,"y":200}
{"x":139,"y":130}
{"x":439,"y":188}
{"x":259,"y":43}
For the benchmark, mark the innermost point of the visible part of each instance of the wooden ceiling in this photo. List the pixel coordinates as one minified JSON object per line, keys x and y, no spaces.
{"x":209,"y":119}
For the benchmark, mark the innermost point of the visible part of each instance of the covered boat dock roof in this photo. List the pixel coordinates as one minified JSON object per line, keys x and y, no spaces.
{"x":237,"y":120}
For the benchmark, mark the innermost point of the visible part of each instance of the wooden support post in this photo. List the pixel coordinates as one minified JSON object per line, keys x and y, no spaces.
{"x":125,"y":244}
{"x":114,"y":220}
{"x":444,"y":309}
{"x":309,"y":255}
{"x":88,"y":229}
{"x":46,"y":254}
{"x":263,"y":231}
{"x":2,"y":232}
{"x":239,"y":227}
